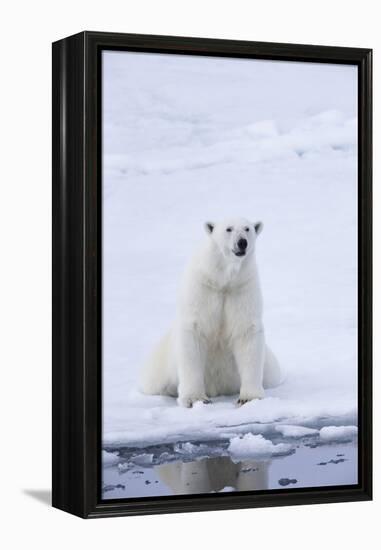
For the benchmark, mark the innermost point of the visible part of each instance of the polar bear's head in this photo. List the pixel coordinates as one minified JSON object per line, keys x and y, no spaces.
{"x":235,"y":237}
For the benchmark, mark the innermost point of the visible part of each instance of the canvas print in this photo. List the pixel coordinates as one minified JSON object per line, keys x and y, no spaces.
{"x":229,"y":275}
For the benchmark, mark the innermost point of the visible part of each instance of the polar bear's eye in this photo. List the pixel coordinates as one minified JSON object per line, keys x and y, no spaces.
{"x":247,"y":228}
{"x":229,"y":229}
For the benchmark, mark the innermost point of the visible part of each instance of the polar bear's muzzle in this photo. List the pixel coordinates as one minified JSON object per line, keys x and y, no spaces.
{"x":240,"y":249}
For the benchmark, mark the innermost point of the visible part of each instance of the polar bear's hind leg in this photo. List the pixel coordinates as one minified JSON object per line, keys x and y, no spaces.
{"x":158,"y":377}
{"x":272,"y":375}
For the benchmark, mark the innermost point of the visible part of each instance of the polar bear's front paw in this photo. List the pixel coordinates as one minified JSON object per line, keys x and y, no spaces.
{"x":189,"y":401}
{"x":242,"y":401}
{"x":245,"y":397}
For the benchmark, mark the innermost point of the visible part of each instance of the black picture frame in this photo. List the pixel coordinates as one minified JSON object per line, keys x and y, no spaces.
{"x":77,"y":284}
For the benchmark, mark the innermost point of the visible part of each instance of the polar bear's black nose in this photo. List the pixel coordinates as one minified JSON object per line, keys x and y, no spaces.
{"x":242,"y":244}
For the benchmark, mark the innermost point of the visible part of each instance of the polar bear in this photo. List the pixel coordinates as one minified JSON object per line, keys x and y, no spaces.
{"x":216,"y":345}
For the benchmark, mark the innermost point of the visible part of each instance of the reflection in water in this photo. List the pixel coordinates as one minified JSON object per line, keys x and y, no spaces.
{"x":203,"y":468}
{"x":214,"y":474}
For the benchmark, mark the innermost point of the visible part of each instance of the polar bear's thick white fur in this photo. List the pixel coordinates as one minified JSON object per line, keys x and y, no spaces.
{"x":216,"y":345}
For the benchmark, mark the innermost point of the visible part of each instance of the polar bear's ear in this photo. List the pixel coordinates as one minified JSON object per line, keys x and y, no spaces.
{"x":209,"y":226}
{"x":258,"y":226}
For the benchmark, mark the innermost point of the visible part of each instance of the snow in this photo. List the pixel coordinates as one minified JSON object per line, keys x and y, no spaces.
{"x":143,"y":459}
{"x":295,"y":431}
{"x":251,"y":445}
{"x":124,"y":466}
{"x":192,"y":139}
{"x":109,"y":458}
{"x":188,"y":448}
{"x":338,"y":433}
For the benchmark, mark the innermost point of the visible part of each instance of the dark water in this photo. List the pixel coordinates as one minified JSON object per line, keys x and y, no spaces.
{"x":204,"y":468}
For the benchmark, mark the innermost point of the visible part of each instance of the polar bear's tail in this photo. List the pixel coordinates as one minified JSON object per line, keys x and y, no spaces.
{"x":272,"y":375}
